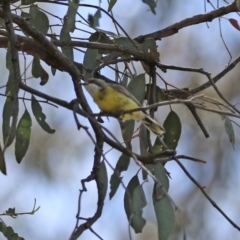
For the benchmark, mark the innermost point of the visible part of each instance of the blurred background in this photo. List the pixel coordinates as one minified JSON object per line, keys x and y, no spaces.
{"x":54,"y":164}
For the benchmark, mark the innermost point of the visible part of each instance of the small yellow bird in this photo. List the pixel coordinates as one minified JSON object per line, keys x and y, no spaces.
{"x":112,"y":98}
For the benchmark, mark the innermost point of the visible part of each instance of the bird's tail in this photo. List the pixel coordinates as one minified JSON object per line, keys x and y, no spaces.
{"x":152,"y":125}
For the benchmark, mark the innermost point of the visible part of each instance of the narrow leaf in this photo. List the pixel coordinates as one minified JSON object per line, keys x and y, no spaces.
{"x":103,"y":179}
{"x":28,"y":2}
{"x":40,"y":116}
{"x":134,"y":202}
{"x":162,"y":205}
{"x":122,"y":165}
{"x":39,"y":19}
{"x":91,"y":57}
{"x":94,"y":19}
{"x":65,"y":36}
{"x":115,"y":181}
{"x":152,"y":4}
{"x":238,"y":4}
{"x":173,"y":128}
{"x":10,"y":115}
{"x":71,"y":15}
{"x":38,"y":71}
{"x":234,"y":23}
{"x":23,"y":136}
{"x":229,"y":130}
{"x":9,"y":233}
{"x":137,"y":87}
{"x":3,"y":168}
{"x":111,"y":4}
{"x":100,"y":38}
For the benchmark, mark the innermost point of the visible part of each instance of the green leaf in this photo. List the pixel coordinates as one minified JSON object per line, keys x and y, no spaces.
{"x":160,"y":173}
{"x":28,"y":2}
{"x":65,"y":36}
{"x":128,"y":43}
{"x":100,"y":38}
{"x":111,"y":4}
{"x":162,"y":205}
{"x":94,"y":19}
{"x":160,"y":95}
{"x":40,"y":116}
{"x":71,"y":15}
{"x":152,"y":4}
{"x":10,"y":115}
{"x":238,"y":4}
{"x":39,"y":19}
{"x":173,"y":128}
{"x":229,"y":130}
{"x":23,"y":136}
{"x":124,"y":82}
{"x":134,"y":202}
{"x":11,"y":212}
{"x":103,"y":179}
{"x":36,"y":67}
{"x":144,"y":146}
{"x":143,"y":140}
{"x":9,"y":233}
{"x":122,"y":165}
{"x":3,"y":168}
{"x":115,"y":181}
{"x":38,"y":71}
{"x":137,"y":87}
{"x":91,"y":57}
{"x":127,"y":129}
{"x":149,"y":46}
{"x":10,"y":109}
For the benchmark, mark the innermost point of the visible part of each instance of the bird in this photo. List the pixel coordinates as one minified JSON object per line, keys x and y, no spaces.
{"x":113,"y":98}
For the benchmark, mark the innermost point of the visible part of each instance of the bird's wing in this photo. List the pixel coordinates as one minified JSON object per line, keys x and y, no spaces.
{"x":124,"y":91}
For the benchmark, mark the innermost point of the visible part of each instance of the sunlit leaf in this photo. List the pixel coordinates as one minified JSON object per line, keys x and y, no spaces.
{"x":23,"y":136}
{"x":134,"y":202}
{"x":40,"y":116}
